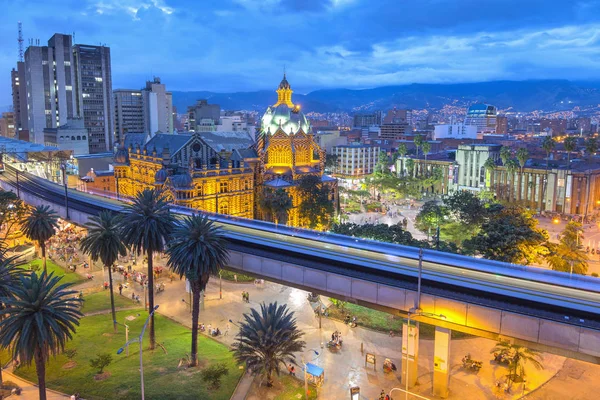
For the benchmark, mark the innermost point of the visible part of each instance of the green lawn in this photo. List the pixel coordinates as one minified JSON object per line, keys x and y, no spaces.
{"x":382,"y":322}
{"x":293,"y":387}
{"x":67,"y":276}
{"x":229,"y":276}
{"x":101,"y":301}
{"x":163,"y":379}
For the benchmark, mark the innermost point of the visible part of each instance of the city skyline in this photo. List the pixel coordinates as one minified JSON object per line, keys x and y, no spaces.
{"x":240,"y":45}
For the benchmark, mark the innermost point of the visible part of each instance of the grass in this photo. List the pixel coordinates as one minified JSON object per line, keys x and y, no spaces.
{"x":292,"y":387}
{"x":228,"y":276}
{"x":162,"y":377}
{"x":67,"y":276}
{"x":101,"y":301}
{"x":383,"y":322}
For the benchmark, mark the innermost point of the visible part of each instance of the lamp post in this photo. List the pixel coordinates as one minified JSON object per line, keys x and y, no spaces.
{"x":306,"y":373}
{"x":189,"y":304}
{"x":139,"y":339}
{"x":220,"y":285}
{"x":419,"y":313}
{"x":18,"y":190}
{"x":63,"y":168}
{"x":126,"y":337}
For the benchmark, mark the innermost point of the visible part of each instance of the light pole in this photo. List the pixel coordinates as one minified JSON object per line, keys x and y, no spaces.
{"x":18,"y":190}
{"x":419,"y":313}
{"x":220,"y":285}
{"x":189,"y":304}
{"x":139,"y":339}
{"x":306,"y":372}
{"x":126,"y":337}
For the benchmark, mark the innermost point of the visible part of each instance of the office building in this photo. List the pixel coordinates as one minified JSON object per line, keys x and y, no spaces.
{"x":553,"y":126}
{"x":501,"y":125}
{"x":483,"y":116}
{"x":7,"y":125}
{"x":71,"y":136}
{"x":396,"y":116}
{"x":19,"y":97}
{"x":455,"y":131}
{"x":355,"y":160}
{"x":366,"y":120}
{"x":93,"y":87}
{"x":129,"y":113}
{"x":202,"y":110}
{"x":50,"y":80}
{"x":394,"y":131}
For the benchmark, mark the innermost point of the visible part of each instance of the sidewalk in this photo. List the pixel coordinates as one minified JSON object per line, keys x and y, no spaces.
{"x":30,"y":390}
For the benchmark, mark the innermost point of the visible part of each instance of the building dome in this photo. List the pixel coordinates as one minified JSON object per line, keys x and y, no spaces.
{"x":122,"y":155}
{"x":182,"y":181}
{"x":286,"y":118}
{"x":160,"y":176}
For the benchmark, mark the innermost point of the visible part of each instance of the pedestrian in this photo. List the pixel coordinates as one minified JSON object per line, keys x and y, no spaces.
{"x":382,"y":395}
{"x":133,"y":296}
{"x":120,"y":289}
{"x":247,"y":297}
{"x":235,"y":277}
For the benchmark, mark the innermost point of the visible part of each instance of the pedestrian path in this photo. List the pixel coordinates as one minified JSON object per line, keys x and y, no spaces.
{"x":30,"y":391}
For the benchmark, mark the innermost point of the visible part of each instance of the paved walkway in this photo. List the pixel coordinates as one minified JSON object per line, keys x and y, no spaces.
{"x":30,"y":391}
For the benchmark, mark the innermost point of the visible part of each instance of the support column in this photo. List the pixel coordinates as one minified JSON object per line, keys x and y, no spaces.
{"x":410,"y":352}
{"x":441,"y":359}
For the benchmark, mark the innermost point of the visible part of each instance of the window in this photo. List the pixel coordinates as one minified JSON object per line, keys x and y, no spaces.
{"x":223,"y":187}
{"x":223,"y":208}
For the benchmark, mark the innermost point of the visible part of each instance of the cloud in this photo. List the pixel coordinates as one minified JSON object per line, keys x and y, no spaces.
{"x":135,"y":8}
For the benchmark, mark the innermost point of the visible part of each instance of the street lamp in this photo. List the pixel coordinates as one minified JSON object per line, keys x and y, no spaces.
{"x":189,"y":304}
{"x":139,"y":340}
{"x":63,"y":168}
{"x":306,"y":372}
{"x":419,"y":313}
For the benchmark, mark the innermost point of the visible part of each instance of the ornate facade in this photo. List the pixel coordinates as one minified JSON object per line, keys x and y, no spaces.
{"x":287,"y":150}
{"x":203,"y":170}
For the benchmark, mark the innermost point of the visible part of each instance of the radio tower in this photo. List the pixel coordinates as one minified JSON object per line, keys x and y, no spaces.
{"x":20,"y":40}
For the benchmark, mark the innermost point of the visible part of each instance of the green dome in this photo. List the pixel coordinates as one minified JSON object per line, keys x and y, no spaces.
{"x":289,"y":119}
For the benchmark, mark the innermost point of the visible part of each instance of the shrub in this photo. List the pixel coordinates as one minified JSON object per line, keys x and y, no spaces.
{"x":595,"y":274}
{"x":101,"y":362}
{"x":71,"y":353}
{"x":338,"y":303}
{"x":212,"y":375}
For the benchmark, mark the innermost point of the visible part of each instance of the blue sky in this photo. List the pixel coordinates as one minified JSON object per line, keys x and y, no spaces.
{"x":241,"y":45}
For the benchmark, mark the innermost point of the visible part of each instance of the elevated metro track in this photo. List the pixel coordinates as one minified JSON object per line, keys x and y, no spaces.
{"x":529,"y":291}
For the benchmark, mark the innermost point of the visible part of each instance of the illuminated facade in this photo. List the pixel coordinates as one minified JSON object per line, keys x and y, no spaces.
{"x":205,"y":170}
{"x":287,"y":150}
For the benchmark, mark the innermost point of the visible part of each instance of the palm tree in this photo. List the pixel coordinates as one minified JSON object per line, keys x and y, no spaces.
{"x":418,"y":140}
{"x":490,"y":166}
{"x":40,"y":225}
{"x":511,"y":168}
{"x":38,"y":320}
{"x":548,"y":144}
{"x":505,"y":154}
{"x":104,"y":242}
{"x":519,"y":356}
{"x":522,"y":156}
{"x":570,"y":146}
{"x":402,"y":151}
{"x":426,"y":149}
{"x":591,"y":146}
{"x":196,"y":250}
{"x":569,"y":255}
{"x":268,"y":339}
{"x":146,"y":227}
{"x":9,"y":278}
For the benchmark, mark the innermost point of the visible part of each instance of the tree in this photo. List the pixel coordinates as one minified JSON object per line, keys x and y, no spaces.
{"x":40,"y":225}
{"x":331,"y":162}
{"x":10,"y":276}
{"x":431,"y":216}
{"x":268,"y":338}
{"x":520,"y":356}
{"x":212,"y":375}
{"x":104,"y":242}
{"x":466,"y":208}
{"x":380,"y":232}
{"x":505,"y":154}
{"x":569,"y":254}
{"x":316,"y":205}
{"x":570,"y":144}
{"x":591,"y":146}
{"x":511,"y":168}
{"x":383,"y":162}
{"x":12,"y":211}
{"x":101,"y":361}
{"x":548,"y":144}
{"x":522,"y":156}
{"x":402,"y":151}
{"x":146,"y":227}
{"x":38,"y":320}
{"x":196,"y":250}
{"x":490,"y":166}
{"x":276,"y":204}
{"x":426,"y":149}
{"x":509,"y":234}
{"x":418,"y":140}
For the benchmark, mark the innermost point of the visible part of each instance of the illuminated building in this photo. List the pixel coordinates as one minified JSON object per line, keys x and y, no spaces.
{"x":204,"y":170}
{"x":287,"y":151}
{"x":483,"y":116}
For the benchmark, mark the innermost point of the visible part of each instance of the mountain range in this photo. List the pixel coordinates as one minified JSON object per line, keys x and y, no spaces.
{"x":524,"y":96}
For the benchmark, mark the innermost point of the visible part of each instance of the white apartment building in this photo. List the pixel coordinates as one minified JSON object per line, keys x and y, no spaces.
{"x":355,"y":161}
{"x":455,"y":131}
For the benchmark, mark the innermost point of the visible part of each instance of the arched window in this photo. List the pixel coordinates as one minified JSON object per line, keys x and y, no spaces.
{"x":78,"y":137}
{"x":72,"y":137}
{"x":83,"y":137}
{"x":223,"y":208}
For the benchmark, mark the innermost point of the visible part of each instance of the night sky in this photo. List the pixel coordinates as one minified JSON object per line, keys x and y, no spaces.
{"x":241,"y":45}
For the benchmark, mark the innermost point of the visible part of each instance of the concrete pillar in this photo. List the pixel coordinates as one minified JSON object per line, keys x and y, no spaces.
{"x":410,"y":352}
{"x":441,"y":359}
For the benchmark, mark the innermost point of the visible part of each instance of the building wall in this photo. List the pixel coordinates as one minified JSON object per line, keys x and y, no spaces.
{"x":455,"y":131}
{"x":7,"y":124}
{"x":19,"y":96}
{"x":356,"y":161}
{"x":395,"y":131}
{"x":105,"y":183}
{"x":129,"y":112}
{"x":470,"y":160}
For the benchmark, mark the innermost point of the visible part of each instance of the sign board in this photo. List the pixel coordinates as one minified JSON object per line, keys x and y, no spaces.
{"x":410,"y":340}
{"x":354,"y":393}
{"x":370,"y":359}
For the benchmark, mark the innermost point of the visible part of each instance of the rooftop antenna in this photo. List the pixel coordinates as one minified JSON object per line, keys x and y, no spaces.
{"x":74,"y":38}
{"x":20,"y":41}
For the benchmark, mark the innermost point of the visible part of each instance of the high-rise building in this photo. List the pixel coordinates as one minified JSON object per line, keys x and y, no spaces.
{"x":19,"y":97}
{"x":7,"y":124}
{"x":553,"y":126}
{"x":366,"y":120}
{"x":93,"y":87}
{"x":483,"y":116}
{"x":49,"y":76}
{"x":129,"y":112}
{"x":501,"y":125}
{"x":149,"y":110}
{"x":394,"y":131}
{"x":202,"y":110}
{"x":396,"y":116}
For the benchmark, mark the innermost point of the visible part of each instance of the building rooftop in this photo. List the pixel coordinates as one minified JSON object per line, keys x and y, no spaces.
{"x":227,"y":141}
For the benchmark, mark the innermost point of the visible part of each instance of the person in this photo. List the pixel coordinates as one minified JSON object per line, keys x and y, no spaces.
{"x":202,"y":328}
{"x":247,"y":297}
{"x":226,"y":329}
{"x":391,"y":333}
{"x":292,"y":370}
{"x":382,"y":395}
{"x":235,"y":277}
{"x":137,"y":298}
{"x":333,"y":336}
{"x":81,"y":294}
{"x":210,"y":329}
{"x":105,"y":285}
{"x":120,"y":289}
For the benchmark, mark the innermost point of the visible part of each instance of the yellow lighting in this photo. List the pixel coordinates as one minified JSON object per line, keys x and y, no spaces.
{"x":556,"y":220}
